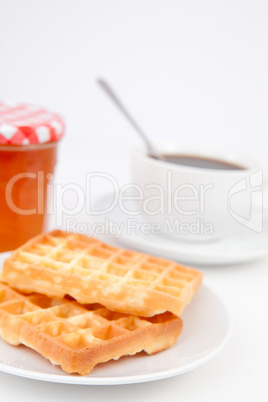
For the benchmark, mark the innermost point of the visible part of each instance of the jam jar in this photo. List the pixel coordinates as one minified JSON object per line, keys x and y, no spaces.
{"x":29,"y":137}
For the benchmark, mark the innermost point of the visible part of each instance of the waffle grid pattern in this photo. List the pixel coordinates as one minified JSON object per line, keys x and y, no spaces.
{"x":88,"y":334}
{"x":88,"y":258}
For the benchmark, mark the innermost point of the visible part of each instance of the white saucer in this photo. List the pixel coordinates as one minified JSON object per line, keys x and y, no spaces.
{"x":207,"y":328}
{"x":226,"y":251}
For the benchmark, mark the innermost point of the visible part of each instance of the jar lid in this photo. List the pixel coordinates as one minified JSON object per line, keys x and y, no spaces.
{"x":25,"y":124}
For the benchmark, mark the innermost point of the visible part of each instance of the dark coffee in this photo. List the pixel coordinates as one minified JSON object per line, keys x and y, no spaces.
{"x":199,"y":162}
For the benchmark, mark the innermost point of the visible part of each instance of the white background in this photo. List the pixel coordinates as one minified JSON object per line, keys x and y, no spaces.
{"x":190,"y":71}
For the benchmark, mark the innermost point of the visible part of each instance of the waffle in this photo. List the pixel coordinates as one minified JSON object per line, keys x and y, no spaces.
{"x":60,"y":263}
{"x":77,"y":337}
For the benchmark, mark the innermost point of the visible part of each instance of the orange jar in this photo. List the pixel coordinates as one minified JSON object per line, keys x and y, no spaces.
{"x":28,"y":150}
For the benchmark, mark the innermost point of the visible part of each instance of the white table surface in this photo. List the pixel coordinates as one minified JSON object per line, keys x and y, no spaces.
{"x":239,"y":372}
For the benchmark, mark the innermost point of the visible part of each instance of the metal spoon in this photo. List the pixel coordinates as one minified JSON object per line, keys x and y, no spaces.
{"x":150,"y":148}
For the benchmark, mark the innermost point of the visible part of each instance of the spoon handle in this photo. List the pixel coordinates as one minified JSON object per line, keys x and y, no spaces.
{"x":106,"y":87}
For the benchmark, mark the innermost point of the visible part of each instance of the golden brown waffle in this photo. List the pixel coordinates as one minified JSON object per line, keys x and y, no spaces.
{"x":60,"y":263}
{"x":78,"y":337}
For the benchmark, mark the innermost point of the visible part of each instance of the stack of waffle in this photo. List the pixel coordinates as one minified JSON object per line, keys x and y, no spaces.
{"x":80,"y":302}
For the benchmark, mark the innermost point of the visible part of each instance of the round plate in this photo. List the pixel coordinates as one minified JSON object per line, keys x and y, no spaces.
{"x":207,"y":328}
{"x":245,"y":248}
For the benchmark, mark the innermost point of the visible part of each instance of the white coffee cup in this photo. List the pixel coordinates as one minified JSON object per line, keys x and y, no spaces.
{"x":195,"y":203}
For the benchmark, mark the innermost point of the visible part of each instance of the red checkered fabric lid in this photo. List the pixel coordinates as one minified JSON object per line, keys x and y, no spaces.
{"x":24,"y":124}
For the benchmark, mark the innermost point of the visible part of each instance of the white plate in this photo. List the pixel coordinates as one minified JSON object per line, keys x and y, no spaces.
{"x":226,"y":251}
{"x":207,"y":328}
